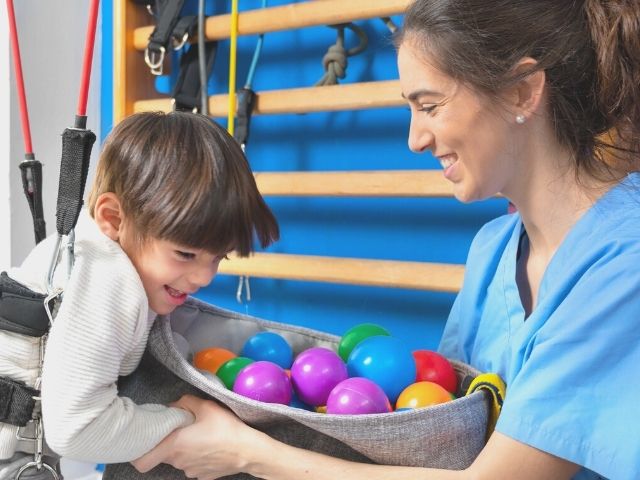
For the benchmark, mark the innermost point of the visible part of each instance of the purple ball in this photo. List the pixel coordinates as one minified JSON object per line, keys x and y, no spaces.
{"x":315,"y":372}
{"x":264,"y":381}
{"x":357,"y":396}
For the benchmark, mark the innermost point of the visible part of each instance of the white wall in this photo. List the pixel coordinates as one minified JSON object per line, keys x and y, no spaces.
{"x":52,"y":48}
{"x":5,"y":211}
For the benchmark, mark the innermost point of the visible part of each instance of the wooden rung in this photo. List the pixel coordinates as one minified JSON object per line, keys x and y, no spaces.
{"x":439,"y":277}
{"x":351,"y":96}
{"x":288,"y":17}
{"x":407,"y":183}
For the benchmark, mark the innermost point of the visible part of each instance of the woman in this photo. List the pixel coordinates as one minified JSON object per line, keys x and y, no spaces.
{"x":537,"y":100}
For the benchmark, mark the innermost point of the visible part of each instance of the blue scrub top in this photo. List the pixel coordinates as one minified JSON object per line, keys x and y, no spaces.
{"x":572,"y":367}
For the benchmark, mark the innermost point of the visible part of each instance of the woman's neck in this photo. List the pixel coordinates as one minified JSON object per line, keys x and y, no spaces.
{"x":551,"y":197}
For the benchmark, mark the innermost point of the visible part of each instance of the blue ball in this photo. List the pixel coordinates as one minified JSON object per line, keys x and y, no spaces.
{"x":385,"y":360}
{"x":270,"y":347}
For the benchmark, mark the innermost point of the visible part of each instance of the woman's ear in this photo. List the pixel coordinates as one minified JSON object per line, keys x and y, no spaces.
{"x":108,"y":215}
{"x":526,"y":96}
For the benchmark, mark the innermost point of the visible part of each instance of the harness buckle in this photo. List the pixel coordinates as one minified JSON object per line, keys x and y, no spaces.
{"x":178,"y":45}
{"x":34,"y":465}
{"x":154,"y":60}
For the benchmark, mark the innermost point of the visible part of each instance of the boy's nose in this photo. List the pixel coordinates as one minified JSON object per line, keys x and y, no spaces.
{"x":202,"y":276}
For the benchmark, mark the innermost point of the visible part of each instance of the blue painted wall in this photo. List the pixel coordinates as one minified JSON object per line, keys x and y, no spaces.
{"x":437,"y":230}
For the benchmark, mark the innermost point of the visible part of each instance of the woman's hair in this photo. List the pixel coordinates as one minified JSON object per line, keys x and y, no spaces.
{"x":181,"y":177}
{"x":589,"y":50}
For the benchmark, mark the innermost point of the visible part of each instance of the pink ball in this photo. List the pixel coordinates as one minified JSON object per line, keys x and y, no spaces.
{"x":315,"y":372}
{"x":357,"y":396}
{"x":264,"y":381}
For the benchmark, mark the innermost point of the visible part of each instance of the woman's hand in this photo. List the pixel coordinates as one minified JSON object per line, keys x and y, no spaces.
{"x":209,"y":448}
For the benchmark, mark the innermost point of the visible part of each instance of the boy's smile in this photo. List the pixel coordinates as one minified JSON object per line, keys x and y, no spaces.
{"x":170,"y":272}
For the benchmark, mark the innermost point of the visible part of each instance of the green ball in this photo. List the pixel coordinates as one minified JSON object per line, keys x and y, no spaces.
{"x":229,"y":370}
{"x":356,"y":334}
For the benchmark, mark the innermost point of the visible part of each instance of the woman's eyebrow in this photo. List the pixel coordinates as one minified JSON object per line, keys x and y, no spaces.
{"x":419,"y":93}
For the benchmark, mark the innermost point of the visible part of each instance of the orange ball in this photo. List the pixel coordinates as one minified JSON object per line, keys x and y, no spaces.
{"x":422,"y":394}
{"x":211,"y":359}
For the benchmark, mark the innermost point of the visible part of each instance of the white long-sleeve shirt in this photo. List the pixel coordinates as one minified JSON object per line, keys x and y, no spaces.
{"x":99,"y":333}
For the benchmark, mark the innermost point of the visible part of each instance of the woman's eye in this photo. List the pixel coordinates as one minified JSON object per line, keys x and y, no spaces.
{"x":428,"y":108}
{"x":185,"y":255}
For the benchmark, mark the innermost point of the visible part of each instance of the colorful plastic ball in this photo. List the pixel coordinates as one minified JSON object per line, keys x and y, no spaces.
{"x":433,"y":367}
{"x":229,"y":370}
{"x":355,"y":335}
{"x":422,"y":394}
{"x":270,"y":347}
{"x":387,"y":361}
{"x":297,"y":403}
{"x":357,"y":396}
{"x":315,"y":372}
{"x":211,"y":358}
{"x":264,"y":381}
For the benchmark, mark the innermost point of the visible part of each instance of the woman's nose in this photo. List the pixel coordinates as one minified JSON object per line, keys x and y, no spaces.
{"x":420,"y":136}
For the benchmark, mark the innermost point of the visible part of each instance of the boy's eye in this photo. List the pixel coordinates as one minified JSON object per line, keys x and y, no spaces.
{"x":185,"y":255}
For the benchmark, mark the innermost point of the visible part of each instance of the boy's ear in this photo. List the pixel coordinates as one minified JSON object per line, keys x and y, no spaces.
{"x":108,"y":215}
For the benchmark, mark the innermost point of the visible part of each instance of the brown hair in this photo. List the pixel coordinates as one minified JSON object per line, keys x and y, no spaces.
{"x":181,"y":177}
{"x":589,"y":50}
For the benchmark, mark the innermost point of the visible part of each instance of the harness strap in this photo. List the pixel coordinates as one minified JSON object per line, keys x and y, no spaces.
{"x":31,"y":171}
{"x":186,"y":92}
{"x":17,"y":401}
{"x":21,"y":309}
{"x":74,"y":166}
{"x":167,"y":13}
{"x":183,"y":30}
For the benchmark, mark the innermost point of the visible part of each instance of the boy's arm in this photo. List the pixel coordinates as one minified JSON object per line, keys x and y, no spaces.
{"x":100,"y":333}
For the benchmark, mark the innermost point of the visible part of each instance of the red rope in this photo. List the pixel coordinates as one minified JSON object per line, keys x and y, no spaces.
{"x":22,"y":97}
{"x":88,"y":57}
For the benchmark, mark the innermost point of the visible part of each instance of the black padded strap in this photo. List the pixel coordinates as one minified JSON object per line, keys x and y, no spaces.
{"x":186,"y":92}
{"x":16,"y":402}
{"x":21,"y":309}
{"x":74,"y":166}
{"x":31,"y":172}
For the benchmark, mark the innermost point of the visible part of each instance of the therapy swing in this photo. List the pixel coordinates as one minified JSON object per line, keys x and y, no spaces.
{"x":22,"y":310}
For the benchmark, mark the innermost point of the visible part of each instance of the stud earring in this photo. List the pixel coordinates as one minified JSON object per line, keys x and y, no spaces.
{"x":520,"y":119}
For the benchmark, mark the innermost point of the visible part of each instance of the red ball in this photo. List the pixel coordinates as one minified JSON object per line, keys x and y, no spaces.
{"x":433,"y":367}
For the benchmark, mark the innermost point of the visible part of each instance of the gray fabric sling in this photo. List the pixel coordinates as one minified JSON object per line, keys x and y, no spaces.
{"x":449,"y":435}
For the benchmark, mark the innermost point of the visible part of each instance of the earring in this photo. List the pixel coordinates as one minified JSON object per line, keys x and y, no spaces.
{"x":520,"y":119}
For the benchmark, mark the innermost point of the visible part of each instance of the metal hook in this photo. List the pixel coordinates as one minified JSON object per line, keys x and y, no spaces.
{"x":34,"y":466}
{"x":243,"y":281}
{"x":178,"y":45}
{"x":155,"y":64}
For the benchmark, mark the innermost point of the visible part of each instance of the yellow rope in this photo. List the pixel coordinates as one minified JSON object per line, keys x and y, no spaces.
{"x":232,"y":66}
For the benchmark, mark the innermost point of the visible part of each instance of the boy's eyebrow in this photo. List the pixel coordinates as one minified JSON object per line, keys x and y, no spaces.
{"x":419,"y":93}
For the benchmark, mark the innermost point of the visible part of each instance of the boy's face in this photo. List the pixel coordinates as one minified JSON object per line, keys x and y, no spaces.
{"x":170,"y":272}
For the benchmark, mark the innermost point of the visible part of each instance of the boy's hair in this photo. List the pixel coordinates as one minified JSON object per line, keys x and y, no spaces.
{"x":181,"y":177}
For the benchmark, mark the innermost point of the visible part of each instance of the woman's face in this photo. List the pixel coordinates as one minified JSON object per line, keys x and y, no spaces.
{"x":468,"y":135}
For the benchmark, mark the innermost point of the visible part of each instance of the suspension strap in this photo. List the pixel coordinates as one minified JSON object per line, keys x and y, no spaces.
{"x":186,"y":92}
{"x":31,"y":169}
{"x":167,"y":14}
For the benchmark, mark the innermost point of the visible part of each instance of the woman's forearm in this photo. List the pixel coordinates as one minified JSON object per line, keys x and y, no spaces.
{"x":273,"y":460}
